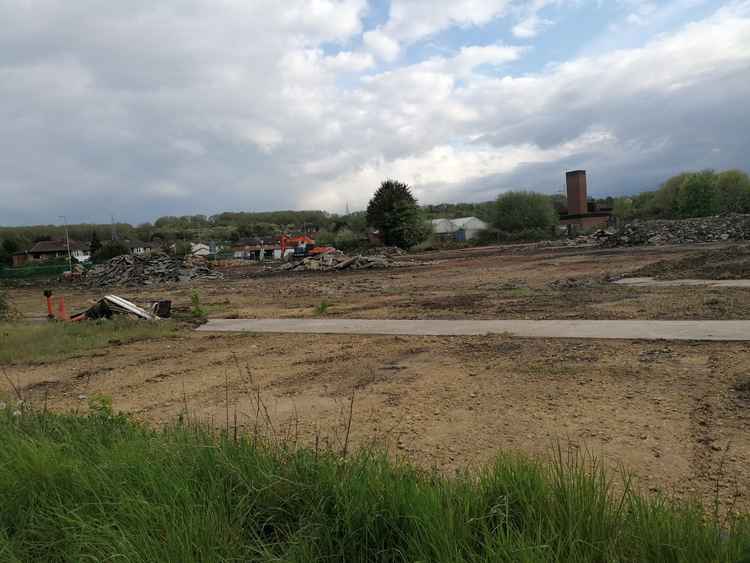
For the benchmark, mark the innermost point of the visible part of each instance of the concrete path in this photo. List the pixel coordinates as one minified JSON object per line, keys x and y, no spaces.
{"x":651,"y":282}
{"x":635,"y":330}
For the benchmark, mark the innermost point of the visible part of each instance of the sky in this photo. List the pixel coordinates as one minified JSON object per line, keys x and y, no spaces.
{"x":146,"y":108}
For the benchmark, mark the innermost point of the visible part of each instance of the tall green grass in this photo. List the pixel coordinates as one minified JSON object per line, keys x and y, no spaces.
{"x":28,"y":342}
{"x":101,"y":488}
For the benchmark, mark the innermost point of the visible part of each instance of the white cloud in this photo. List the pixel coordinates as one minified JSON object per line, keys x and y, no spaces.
{"x":238,"y":105}
{"x":530,"y":26}
{"x":411,"y":20}
{"x":383,"y":46}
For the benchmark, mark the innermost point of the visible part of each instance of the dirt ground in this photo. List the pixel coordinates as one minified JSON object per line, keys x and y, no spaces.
{"x":675,"y":414}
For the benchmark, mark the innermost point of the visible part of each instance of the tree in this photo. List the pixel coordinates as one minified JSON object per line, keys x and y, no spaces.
{"x":7,"y":249}
{"x":733,"y":191}
{"x":697,"y":196}
{"x":182,"y":248}
{"x":525,"y":211}
{"x":394,"y":212}
{"x":96,"y":244}
{"x":110,"y":250}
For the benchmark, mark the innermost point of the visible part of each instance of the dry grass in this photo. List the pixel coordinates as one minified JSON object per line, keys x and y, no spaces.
{"x":37,"y":342}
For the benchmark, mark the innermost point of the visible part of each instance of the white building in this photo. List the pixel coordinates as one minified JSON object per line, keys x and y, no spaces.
{"x":199,"y":249}
{"x":461,"y":229}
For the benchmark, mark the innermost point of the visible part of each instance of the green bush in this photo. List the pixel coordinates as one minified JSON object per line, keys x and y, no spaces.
{"x":101,"y":488}
{"x":525,"y":235}
{"x":347,"y":240}
{"x":525,"y":212}
{"x":196,"y":310}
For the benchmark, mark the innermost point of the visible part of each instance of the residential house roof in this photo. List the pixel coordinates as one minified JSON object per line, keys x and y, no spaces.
{"x":53,"y":246}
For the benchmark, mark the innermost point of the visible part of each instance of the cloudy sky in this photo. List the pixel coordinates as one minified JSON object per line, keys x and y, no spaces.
{"x":143,"y":108}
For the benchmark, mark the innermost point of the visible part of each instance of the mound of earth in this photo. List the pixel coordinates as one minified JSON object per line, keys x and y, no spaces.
{"x":727,"y":264}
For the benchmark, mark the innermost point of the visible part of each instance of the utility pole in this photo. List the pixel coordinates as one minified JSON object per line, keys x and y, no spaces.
{"x":67,"y":243}
{"x":114,"y":228}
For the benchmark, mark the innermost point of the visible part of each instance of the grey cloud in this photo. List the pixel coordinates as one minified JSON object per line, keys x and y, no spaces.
{"x":143,"y":109}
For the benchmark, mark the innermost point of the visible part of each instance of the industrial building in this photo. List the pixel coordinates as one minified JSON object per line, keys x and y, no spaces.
{"x":582,"y":214}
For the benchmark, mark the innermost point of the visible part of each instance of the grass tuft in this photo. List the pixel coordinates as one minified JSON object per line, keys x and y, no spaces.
{"x":322,"y":307}
{"x":101,"y":487}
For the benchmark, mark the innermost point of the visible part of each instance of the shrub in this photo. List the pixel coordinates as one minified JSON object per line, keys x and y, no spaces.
{"x":347,"y":240}
{"x":525,"y":211}
{"x":196,"y":311}
{"x":524,"y":235}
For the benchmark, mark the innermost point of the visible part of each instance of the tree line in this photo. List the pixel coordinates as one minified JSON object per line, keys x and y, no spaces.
{"x":395,"y":212}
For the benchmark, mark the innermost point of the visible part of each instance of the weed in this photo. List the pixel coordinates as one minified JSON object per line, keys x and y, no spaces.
{"x":196,"y":310}
{"x":322,"y":307}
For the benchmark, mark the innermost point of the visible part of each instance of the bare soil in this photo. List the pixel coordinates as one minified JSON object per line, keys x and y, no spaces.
{"x":676,"y":414}
{"x":726,"y":264}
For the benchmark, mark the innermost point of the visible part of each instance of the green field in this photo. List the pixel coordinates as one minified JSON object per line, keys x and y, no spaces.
{"x":101,"y":488}
{"x":36,"y":342}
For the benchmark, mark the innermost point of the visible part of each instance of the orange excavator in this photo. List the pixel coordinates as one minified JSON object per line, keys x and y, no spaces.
{"x":303,"y":246}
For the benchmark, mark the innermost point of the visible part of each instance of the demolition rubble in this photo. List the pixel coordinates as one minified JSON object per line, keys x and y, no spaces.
{"x":337,"y":260}
{"x":732,"y":227}
{"x":129,"y":270}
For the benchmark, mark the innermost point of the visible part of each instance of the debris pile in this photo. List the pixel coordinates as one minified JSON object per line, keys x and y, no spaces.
{"x":388,"y":251}
{"x":136,"y":270}
{"x":732,"y":227}
{"x":111,"y":305}
{"x":334,"y":261}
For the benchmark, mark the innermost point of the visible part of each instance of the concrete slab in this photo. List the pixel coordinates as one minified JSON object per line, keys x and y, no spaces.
{"x":651,"y":282}
{"x":632,"y":330}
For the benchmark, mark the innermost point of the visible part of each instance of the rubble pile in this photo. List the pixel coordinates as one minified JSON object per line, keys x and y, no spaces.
{"x":388,"y":251}
{"x":334,"y":261}
{"x":732,"y":227}
{"x":136,"y":270}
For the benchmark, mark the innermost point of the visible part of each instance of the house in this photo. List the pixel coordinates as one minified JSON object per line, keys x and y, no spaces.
{"x":139,"y":248}
{"x":461,"y":229}
{"x":46,"y":250}
{"x":582,"y":214}
{"x":256,"y":249}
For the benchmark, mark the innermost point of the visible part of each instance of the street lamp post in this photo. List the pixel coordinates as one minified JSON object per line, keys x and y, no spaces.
{"x":67,"y":243}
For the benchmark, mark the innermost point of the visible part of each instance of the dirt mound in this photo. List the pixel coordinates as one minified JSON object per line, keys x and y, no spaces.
{"x":726,"y":264}
{"x":717,"y":228}
{"x":136,"y":270}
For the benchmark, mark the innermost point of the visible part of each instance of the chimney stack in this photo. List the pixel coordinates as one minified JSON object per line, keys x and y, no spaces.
{"x":577,"y":198}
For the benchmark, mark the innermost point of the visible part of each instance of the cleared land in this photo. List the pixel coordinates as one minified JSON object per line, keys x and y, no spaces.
{"x":676,"y":413}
